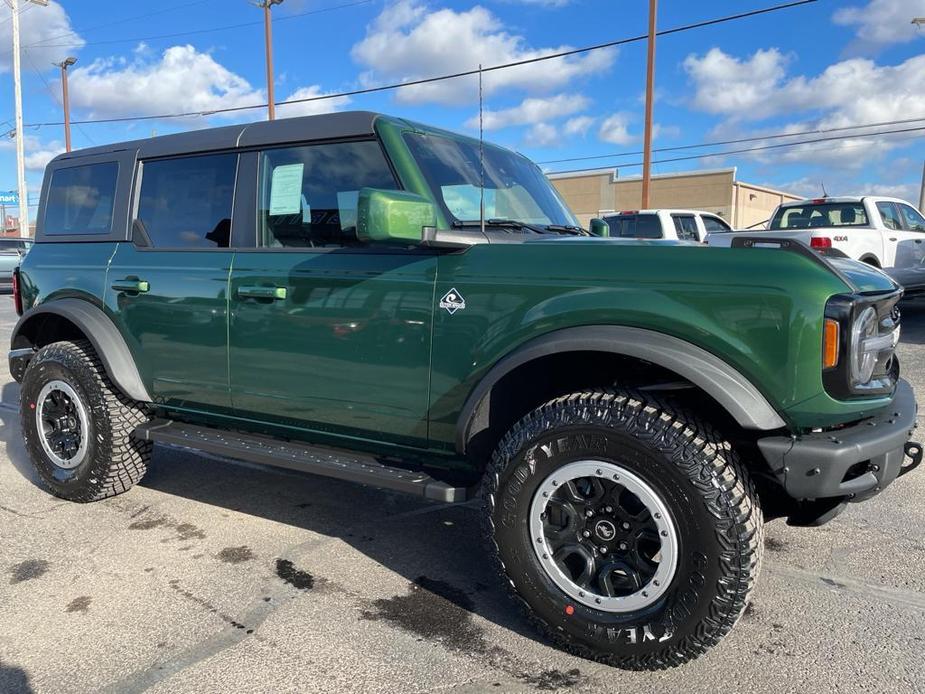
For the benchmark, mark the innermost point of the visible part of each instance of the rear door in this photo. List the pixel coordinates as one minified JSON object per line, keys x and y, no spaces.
{"x":168,"y":288}
{"x":326,"y":333}
{"x":910,"y":244}
{"x":685,"y":227}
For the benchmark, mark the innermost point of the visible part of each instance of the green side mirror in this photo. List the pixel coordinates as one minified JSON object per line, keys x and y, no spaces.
{"x":393,"y":216}
{"x":598,"y":227}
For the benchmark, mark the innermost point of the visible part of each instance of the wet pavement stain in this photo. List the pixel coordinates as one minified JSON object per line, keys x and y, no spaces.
{"x":149,"y":524}
{"x":206,"y":605}
{"x":79,"y":604}
{"x":436,"y":611}
{"x":28,"y":570}
{"x":236,"y":555}
{"x":831,"y":582}
{"x":297,"y":578}
{"x":551,"y":680}
{"x":188,"y":531}
{"x":772,"y":544}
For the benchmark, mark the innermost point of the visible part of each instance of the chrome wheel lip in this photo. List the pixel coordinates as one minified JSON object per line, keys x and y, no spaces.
{"x":82,"y":419}
{"x":660,"y":581}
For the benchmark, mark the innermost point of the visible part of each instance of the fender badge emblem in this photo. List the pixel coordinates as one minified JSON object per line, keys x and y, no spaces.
{"x":453,"y":301}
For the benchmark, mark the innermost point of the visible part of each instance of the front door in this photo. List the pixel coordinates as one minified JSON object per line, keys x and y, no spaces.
{"x":167,"y":290}
{"x":326,"y":333}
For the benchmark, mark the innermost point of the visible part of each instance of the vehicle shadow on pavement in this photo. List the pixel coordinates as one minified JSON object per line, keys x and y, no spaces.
{"x":435,"y":546}
{"x":913,"y":322}
{"x":14,"y":680}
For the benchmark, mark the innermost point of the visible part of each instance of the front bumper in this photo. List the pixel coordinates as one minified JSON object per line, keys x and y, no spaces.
{"x":853,"y":463}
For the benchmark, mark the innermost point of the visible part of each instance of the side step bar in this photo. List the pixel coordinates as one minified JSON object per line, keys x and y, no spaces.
{"x":319,"y":460}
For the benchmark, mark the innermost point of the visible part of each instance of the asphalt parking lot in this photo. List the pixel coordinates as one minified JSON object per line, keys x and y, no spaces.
{"x":219,"y":576}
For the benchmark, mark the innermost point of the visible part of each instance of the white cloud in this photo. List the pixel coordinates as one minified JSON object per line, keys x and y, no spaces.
{"x":46,"y":34}
{"x":408,"y":40}
{"x":37,"y":153}
{"x":542,"y":135}
{"x":531,"y":110}
{"x":544,"y":3}
{"x":882,"y":23}
{"x":180,"y":79}
{"x":310,"y":108}
{"x":579,"y":125}
{"x":615,"y":129}
{"x":847,"y":93}
{"x":726,"y":84}
{"x":660,"y":131}
{"x":904,"y":191}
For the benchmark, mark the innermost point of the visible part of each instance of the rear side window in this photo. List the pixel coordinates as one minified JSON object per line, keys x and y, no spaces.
{"x":712,"y":224}
{"x":80,"y":199}
{"x":685,"y":227}
{"x":891,"y":218}
{"x":648,"y":227}
{"x":186,"y":202}
{"x":309,"y":194}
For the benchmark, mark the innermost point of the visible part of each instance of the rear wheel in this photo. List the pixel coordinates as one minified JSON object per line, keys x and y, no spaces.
{"x":77,"y":425}
{"x":626,"y":528}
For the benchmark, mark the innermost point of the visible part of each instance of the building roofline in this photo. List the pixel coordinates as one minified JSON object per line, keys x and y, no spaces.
{"x":581,"y":173}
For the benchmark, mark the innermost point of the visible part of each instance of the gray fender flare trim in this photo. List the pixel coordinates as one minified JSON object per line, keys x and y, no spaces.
{"x":103,"y":335}
{"x":733,"y":391}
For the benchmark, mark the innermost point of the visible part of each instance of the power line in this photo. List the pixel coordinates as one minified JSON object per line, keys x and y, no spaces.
{"x":192,"y":32}
{"x":767,"y":147}
{"x":756,"y":138}
{"x":439,"y":78}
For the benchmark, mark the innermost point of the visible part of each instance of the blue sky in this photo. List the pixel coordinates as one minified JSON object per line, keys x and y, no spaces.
{"x":819,"y":66}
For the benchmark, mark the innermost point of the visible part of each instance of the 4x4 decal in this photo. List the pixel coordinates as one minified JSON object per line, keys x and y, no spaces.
{"x":453,"y":301}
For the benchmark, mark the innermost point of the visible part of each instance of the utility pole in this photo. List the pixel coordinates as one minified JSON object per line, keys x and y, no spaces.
{"x":650,"y":80}
{"x":268,"y":42}
{"x":20,"y":136}
{"x":922,"y":191}
{"x":64,"y":65}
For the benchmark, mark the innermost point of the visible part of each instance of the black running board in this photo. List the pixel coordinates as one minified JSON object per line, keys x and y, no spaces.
{"x":319,"y":460}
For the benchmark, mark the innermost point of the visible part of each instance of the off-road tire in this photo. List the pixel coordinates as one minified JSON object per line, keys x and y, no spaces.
{"x":114,"y":461}
{"x":707,"y":490}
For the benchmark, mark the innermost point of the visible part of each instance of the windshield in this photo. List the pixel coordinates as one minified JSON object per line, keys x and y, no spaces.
{"x":515,"y":188}
{"x":833,"y":214}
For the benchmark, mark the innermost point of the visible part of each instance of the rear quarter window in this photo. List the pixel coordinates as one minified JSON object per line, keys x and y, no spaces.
{"x":80,"y":199}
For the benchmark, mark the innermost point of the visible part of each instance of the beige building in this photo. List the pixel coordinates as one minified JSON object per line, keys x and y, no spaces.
{"x":592,"y":192}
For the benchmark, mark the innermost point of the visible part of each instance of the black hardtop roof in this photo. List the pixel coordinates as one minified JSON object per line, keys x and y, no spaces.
{"x":321,"y":127}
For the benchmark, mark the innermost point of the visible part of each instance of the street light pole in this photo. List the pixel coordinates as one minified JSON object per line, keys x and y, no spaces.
{"x":17,"y":99}
{"x":650,"y":80}
{"x":268,"y":42}
{"x":64,"y":65}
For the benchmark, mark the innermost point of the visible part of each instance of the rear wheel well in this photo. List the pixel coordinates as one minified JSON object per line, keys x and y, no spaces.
{"x":871,"y":260}
{"x":531,"y":384}
{"x":45,"y":328}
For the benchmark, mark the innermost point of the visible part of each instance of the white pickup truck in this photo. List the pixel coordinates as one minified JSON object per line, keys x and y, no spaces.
{"x":885,"y":232}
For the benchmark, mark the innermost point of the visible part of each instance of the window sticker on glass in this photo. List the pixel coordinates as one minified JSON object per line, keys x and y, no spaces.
{"x":347,"y":202}
{"x":286,"y":189}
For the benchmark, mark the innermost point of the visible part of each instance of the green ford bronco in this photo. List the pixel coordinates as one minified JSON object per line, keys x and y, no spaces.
{"x":367,"y":298}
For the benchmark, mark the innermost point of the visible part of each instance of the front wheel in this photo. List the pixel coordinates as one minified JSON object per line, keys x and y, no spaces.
{"x":628,"y":530}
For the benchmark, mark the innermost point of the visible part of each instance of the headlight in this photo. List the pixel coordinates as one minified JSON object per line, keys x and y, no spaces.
{"x":863,"y":352}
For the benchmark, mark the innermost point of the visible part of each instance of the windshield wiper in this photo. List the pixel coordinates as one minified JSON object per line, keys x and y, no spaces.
{"x":568,"y":229}
{"x":495,"y":222}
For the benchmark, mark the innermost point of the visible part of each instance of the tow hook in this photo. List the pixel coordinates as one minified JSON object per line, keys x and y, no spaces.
{"x":914,"y":451}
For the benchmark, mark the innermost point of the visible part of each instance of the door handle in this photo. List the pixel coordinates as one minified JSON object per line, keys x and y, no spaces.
{"x":892,"y":238}
{"x":127,"y":285}
{"x":276,"y":293}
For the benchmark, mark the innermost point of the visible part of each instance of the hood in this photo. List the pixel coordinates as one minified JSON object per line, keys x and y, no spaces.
{"x":865,"y":277}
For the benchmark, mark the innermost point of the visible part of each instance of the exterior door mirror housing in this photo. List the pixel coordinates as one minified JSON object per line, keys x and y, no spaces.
{"x":393,"y":216}
{"x":598,"y":227}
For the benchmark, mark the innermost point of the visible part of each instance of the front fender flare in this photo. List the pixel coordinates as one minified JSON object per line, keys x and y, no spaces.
{"x":100,"y":331}
{"x":733,"y":391}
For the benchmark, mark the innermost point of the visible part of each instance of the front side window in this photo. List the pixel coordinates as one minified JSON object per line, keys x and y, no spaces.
{"x":80,"y":199}
{"x":514,"y":187}
{"x":186,"y":202}
{"x":685,"y":227}
{"x":309,"y":194}
{"x":914,"y":219}
{"x":809,"y":216}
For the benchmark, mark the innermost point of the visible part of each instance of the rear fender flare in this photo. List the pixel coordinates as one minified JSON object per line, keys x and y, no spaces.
{"x":99,"y":330}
